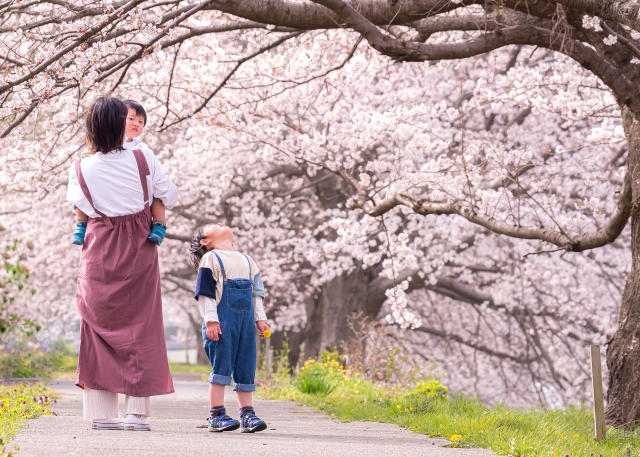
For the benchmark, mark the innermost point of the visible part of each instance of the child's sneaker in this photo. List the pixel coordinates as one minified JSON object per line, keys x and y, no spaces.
{"x":222,"y":423}
{"x":133,"y":422}
{"x":78,"y":234}
{"x":158,"y":233}
{"x":251,"y":423}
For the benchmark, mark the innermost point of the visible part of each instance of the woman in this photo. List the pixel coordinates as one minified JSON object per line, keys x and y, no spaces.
{"x":122,"y":345}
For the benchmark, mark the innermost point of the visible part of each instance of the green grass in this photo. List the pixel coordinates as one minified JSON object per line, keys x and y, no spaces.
{"x":465,"y":422}
{"x":32,"y":364}
{"x":184,"y":368}
{"x":69,"y":364}
{"x":17,"y":404}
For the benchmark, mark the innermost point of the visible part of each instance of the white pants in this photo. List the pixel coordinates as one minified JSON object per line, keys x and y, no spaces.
{"x":100,"y":404}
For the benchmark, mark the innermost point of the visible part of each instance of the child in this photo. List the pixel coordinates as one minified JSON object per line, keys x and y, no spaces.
{"x":136,"y":120}
{"x":230,"y":293}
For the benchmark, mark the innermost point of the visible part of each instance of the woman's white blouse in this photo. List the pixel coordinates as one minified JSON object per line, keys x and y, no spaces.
{"x":114,"y":183}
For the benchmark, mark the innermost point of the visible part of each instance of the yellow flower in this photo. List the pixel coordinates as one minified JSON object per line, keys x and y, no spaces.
{"x":410,"y":408}
{"x":455,"y":437}
{"x":356,"y":391}
{"x":6,"y":407}
{"x":267,"y":333}
{"x":575,"y":435}
{"x":398,"y":406}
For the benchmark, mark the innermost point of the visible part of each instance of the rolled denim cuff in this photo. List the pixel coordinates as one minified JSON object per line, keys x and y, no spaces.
{"x":219,"y":379}
{"x":244,"y":387}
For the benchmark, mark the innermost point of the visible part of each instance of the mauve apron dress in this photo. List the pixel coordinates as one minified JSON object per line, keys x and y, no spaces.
{"x":122,"y":345}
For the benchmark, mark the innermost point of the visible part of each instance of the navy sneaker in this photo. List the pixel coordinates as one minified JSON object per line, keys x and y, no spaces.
{"x":158,"y":233}
{"x":250,"y":423}
{"x":78,"y":234}
{"x":222,"y":423}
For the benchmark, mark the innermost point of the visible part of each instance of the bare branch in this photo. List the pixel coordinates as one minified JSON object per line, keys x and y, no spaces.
{"x":307,"y":16}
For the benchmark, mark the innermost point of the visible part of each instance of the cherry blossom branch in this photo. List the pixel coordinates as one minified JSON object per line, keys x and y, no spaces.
{"x":235,"y":68}
{"x":140,"y":52}
{"x":70,"y":47}
{"x":626,"y":91}
{"x":603,"y":236}
{"x":622,"y":39}
{"x":478,"y":347}
{"x":622,"y":11}
{"x":18,"y":120}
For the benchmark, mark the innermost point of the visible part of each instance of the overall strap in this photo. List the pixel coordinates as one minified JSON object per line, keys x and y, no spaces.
{"x":87,"y":194}
{"x":249,"y":262}
{"x":224,"y":274}
{"x":143,"y":171}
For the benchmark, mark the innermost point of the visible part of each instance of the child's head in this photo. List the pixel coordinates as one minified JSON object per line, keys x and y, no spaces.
{"x":105,"y":125}
{"x":207,"y":238}
{"x":136,"y":119}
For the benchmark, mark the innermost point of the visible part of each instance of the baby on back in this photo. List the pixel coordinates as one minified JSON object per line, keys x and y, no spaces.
{"x":136,"y":121}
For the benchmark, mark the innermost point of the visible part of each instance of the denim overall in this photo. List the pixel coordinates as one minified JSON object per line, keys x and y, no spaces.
{"x":234,"y":354}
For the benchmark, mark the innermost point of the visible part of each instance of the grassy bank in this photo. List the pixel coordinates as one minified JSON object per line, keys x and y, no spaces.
{"x":17,"y":404}
{"x":465,"y":422}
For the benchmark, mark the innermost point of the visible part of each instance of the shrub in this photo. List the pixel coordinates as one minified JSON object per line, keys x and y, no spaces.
{"x":373,"y":351}
{"x":316,"y":383}
{"x":429,"y":389}
{"x":31,"y":364}
{"x":320,"y":377}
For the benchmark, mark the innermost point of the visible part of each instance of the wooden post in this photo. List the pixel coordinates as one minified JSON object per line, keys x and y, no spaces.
{"x":268,"y":354}
{"x":186,"y":347}
{"x":598,"y":398}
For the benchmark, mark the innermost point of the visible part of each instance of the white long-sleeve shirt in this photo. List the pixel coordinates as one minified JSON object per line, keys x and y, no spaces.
{"x":114,"y":183}
{"x":209,"y":310}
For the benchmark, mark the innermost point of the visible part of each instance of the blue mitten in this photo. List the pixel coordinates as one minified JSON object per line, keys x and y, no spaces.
{"x":158,"y":233}
{"x":78,"y":234}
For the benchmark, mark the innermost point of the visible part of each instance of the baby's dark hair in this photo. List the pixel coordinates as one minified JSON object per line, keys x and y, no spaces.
{"x":137,"y":107}
{"x":197,"y":251}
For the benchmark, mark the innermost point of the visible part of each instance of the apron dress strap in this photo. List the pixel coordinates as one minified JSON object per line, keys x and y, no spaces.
{"x":87,"y":194}
{"x":224,"y":274}
{"x":143,"y":170}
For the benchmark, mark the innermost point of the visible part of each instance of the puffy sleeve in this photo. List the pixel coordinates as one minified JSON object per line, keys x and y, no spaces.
{"x":161,"y":185}
{"x":75,"y":196}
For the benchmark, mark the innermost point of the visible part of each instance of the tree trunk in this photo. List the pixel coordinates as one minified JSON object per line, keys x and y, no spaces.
{"x":623,"y":352}
{"x":338,"y":299}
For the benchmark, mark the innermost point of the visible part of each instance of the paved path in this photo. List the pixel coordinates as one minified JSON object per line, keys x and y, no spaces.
{"x":293,"y":431}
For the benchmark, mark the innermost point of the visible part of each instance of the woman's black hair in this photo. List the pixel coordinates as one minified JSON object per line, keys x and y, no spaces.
{"x":105,"y":125}
{"x":137,"y":107}
{"x":196,"y":250}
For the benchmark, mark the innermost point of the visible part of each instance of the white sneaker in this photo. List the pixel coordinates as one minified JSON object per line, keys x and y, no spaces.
{"x":133,"y":422}
{"x":107,"y":424}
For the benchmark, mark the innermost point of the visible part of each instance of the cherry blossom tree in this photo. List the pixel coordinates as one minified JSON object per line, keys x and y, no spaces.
{"x":377,"y":186}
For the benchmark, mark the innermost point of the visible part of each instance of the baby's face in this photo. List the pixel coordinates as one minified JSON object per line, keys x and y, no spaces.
{"x":135,"y":124}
